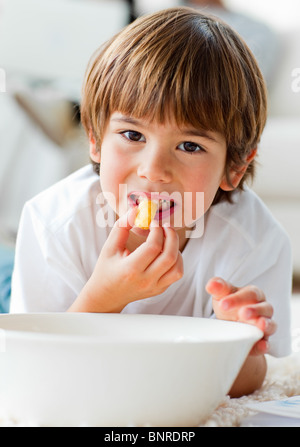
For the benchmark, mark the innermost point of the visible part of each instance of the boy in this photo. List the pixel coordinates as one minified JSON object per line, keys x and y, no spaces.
{"x":174,"y":107}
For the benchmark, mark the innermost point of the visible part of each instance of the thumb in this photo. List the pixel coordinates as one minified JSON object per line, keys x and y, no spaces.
{"x":119,"y":234}
{"x":218,"y":288}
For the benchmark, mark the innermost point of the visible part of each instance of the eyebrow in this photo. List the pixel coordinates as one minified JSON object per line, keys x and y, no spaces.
{"x":127,"y":119}
{"x":193,"y":132}
{"x":198,"y":133}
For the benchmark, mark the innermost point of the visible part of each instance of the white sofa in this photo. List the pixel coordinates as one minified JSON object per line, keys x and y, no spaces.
{"x":278,"y":175}
{"x":44,"y":70}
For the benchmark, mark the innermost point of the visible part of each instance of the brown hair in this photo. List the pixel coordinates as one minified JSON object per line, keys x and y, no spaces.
{"x":181,"y":62}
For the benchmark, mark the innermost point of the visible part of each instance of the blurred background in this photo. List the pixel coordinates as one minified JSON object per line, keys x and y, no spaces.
{"x":44,"y":49}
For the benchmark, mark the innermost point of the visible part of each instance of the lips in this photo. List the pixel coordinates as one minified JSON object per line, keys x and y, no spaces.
{"x":165,"y":204}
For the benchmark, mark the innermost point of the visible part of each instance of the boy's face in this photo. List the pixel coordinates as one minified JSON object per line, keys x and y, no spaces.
{"x":164,"y":162}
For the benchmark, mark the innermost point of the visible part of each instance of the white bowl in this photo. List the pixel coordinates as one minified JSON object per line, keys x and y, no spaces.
{"x":70,"y":369}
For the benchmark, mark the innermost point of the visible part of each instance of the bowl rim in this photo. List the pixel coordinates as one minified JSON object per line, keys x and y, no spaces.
{"x":251,"y":334}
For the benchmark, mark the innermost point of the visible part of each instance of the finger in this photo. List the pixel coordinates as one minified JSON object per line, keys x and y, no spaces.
{"x":242,"y":297}
{"x":169,"y":254}
{"x":127,"y":220}
{"x":261,"y":347}
{"x":263,"y":309}
{"x":219,"y":288}
{"x":149,"y":250}
{"x":171,"y":259}
{"x":266,"y":325}
{"x":119,"y":234}
{"x":173,"y":274}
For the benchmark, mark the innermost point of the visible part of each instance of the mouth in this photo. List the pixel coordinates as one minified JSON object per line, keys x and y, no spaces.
{"x":165,"y":205}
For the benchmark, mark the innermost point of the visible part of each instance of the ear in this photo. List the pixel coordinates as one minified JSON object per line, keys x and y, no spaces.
{"x":237,"y":175}
{"x":94,"y":151}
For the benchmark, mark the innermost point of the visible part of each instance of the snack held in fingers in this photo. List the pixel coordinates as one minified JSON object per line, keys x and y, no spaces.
{"x":146,"y":212}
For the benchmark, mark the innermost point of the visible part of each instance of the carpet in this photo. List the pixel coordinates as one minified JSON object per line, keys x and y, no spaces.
{"x":282,"y":381}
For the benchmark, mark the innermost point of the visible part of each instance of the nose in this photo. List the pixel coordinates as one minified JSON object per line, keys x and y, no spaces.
{"x":155,"y":165}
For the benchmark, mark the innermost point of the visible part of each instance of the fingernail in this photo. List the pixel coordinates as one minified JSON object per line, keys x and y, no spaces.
{"x":259,"y":293}
{"x":126,"y":219}
{"x":219,"y":281}
{"x":154,"y":224}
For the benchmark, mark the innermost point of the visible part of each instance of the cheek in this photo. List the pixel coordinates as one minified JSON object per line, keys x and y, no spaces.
{"x":107,"y":181}
{"x":113,"y":172}
{"x":110,"y":166}
{"x":201,"y":192}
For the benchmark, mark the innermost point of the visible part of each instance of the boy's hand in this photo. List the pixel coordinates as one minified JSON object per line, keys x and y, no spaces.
{"x":245,"y":304}
{"x":121,"y":276}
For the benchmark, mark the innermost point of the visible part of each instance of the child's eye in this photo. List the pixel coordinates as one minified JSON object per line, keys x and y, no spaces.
{"x":132,"y":135}
{"x":189,"y":146}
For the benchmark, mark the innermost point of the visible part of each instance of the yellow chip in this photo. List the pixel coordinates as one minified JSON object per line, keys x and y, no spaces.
{"x":146,"y":212}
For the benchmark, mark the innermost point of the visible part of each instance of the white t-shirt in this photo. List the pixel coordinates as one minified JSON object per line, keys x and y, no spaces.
{"x":62,"y":232}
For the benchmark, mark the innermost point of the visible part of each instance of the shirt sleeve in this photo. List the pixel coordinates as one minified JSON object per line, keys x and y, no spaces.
{"x":44,"y":278}
{"x":270,"y":268}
